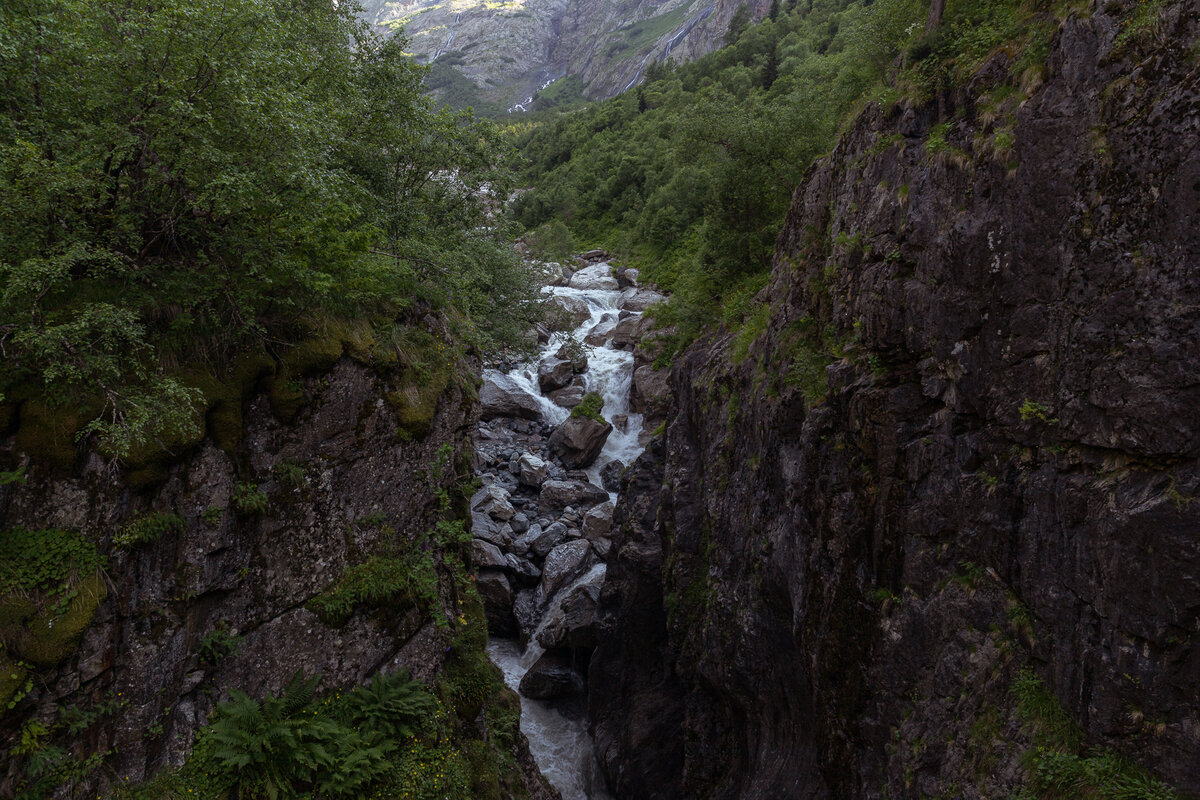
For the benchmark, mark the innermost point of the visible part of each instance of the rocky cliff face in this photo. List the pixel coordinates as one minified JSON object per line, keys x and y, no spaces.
{"x":510,"y":50}
{"x":831,"y":571}
{"x":218,"y":600}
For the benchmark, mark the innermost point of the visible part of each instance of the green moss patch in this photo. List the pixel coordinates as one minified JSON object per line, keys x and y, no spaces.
{"x":590,"y":407}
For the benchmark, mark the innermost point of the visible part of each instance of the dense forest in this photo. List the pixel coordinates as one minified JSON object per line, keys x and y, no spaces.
{"x":186,"y":183}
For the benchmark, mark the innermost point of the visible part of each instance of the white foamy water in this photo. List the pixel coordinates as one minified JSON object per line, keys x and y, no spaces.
{"x":558,"y":736}
{"x":609,"y":372}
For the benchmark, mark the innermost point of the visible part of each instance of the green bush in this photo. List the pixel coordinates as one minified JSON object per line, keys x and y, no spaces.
{"x":249,"y":499}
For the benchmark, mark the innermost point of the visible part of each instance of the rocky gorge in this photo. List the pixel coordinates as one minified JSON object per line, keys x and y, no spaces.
{"x":554,"y":438}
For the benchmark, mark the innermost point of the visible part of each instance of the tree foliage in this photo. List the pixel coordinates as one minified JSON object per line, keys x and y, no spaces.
{"x":182,"y":180}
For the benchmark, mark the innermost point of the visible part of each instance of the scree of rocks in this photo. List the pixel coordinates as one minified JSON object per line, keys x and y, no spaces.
{"x":541,"y":520}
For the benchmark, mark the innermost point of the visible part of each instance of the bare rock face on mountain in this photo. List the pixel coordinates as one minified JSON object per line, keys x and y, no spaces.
{"x":833,"y":577}
{"x":510,"y":51}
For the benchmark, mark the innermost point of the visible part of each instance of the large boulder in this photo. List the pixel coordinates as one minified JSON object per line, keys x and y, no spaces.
{"x":531,"y":471}
{"x":597,"y":276}
{"x":571,"y":622}
{"x":578,"y":441}
{"x":569,"y":396}
{"x":551,"y":676}
{"x":485,"y":555}
{"x":562,"y":564}
{"x":493,"y":500}
{"x":554,"y":373}
{"x":634,"y":299}
{"x":598,"y":522}
{"x":497,"y":595}
{"x":551,"y":537}
{"x":651,"y":391}
{"x":501,"y":396}
{"x":576,"y":355}
{"x":610,"y":475}
{"x":566,"y":313}
{"x":557,"y":495}
{"x":630,"y":331}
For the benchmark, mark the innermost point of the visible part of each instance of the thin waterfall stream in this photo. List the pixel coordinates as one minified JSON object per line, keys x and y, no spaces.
{"x":542,"y":520}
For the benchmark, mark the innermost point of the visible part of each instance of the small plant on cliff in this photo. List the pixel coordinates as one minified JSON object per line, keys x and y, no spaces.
{"x":147,"y":528}
{"x":589,"y":408}
{"x":218,"y":645}
{"x":249,"y":499}
{"x":1032,"y":411}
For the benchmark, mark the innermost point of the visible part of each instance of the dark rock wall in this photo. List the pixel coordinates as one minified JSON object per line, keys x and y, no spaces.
{"x":248,"y":573}
{"x":832,"y":598}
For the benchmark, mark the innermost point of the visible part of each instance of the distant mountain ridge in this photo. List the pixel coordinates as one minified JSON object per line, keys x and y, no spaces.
{"x":499,"y":53}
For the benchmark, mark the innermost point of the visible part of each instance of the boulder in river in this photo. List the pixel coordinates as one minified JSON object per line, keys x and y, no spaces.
{"x":568,"y":396}
{"x":610,"y":475}
{"x":554,"y":374}
{"x":596,"y":277}
{"x":572,"y":352}
{"x":566,"y":313}
{"x":501,"y":396}
{"x":634,"y":299}
{"x":630,"y":331}
{"x":551,"y":676}
{"x":485,"y":555}
{"x":578,"y":441}
{"x":557,"y":495}
{"x":563,"y":563}
{"x":571,"y":621}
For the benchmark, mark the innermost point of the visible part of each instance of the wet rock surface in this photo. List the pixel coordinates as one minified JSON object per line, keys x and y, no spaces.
{"x":827,"y":588}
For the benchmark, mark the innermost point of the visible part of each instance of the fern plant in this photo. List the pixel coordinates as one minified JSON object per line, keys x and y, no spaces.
{"x":393,"y":705}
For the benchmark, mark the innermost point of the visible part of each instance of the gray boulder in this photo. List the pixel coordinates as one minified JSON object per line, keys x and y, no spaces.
{"x":569,"y":396}
{"x":562,"y":564}
{"x":633,"y":299}
{"x":651,"y":391}
{"x":566,"y":313}
{"x":572,"y":621}
{"x":610,"y":475}
{"x":524,"y":571}
{"x":493,"y":500}
{"x":557,"y":495}
{"x":551,"y":676}
{"x":532,"y":471}
{"x":578,"y":441}
{"x":550,"y":538}
{"x":485,"y":555}
{"x":597,"y":276}
{"x":501,"y":396}
{"x":597,"y":523}
{"x":554,"y":373}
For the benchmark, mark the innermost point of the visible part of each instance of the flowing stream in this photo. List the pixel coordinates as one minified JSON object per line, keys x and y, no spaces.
{"x":557,"y":730}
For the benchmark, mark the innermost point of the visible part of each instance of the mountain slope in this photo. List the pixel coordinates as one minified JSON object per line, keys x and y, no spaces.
{"x":508,"y":50}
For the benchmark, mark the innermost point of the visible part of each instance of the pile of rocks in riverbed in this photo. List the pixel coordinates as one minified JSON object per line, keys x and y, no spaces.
{"x":541,"y":535}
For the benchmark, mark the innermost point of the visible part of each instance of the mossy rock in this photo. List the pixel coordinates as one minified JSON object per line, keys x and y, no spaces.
{"x":15,"y":612}
{"x":415,"y":403}
{"x":485,"y":773}
{"x":48,"y":434}
{"x":50,"y":637}
{"x":286,"y":394}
